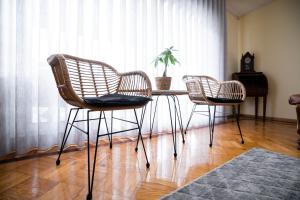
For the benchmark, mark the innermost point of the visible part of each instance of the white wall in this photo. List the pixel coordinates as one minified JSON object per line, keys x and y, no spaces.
{"x":273,"y":34}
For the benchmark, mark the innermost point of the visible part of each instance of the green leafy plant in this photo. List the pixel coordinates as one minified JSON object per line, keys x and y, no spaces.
{"x":167,"y":58}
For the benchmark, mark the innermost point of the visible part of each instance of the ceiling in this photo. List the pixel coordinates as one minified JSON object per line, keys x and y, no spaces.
{"x":239,"y":8}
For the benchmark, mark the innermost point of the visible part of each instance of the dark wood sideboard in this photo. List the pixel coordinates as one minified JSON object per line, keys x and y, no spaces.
{"x":256,"y":84}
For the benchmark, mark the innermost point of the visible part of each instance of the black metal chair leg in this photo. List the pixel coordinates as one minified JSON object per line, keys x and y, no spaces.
{"x":238,"y":124}
{"x":108,"y":133}
{"x":111,"y":126}
{"x":141,"y":123}
{"x":213,"y":127}
{"x":89,"y":195}
{"x":65,"y":137}
{"x":137,"y":143}
{"x":91,"y":180}
{"x":143,"y":116}
{"x":173,"y":134}
{"x":151,"y":124}
{"x":95,"y":154}
{"x":209,"y":126}
{"x":140,"y":135}
{"x":193,"y":109}
{"x":233,"y":113}
{"x":150,"y":119}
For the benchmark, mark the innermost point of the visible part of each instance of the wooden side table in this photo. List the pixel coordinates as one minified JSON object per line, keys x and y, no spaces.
{"x":256,"y":85}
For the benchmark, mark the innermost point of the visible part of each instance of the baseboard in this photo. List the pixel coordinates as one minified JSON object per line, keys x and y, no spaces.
{"x":274,"y":119}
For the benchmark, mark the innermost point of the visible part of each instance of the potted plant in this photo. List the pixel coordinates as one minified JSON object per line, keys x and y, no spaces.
{"x":167,"y":58}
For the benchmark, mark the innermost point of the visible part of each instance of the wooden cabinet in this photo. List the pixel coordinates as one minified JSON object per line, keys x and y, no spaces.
{"x":256,"y":84}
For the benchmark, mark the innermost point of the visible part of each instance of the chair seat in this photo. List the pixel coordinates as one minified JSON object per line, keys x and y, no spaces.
{"x":224,"y":100}
{"x":117,"y":100}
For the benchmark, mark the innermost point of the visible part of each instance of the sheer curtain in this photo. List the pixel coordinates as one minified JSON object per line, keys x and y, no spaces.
{"x":126,"y":34}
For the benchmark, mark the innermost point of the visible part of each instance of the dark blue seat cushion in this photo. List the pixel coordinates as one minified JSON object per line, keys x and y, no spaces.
{"x":224,"y":100}
{"x":116,"y":100}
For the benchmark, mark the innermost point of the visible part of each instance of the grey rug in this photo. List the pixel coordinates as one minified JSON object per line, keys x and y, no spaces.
{"x":256,"y":174}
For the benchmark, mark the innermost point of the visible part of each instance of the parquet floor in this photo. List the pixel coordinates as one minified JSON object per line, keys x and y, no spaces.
{"x":121,"y":172}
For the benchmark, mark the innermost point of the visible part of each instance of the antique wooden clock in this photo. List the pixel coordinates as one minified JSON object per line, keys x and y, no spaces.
{"x":247,"y":62}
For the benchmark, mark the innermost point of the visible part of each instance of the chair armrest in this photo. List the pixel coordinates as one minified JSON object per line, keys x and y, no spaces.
{"x":62,"y":79}
{"x":232,"y":90}
{"x":135,"y":83}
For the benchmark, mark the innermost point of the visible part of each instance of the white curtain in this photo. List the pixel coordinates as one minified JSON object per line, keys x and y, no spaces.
{"x":126,"y":34}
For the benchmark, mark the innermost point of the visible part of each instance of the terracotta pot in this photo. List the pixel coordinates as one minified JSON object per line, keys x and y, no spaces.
{"x":163,"y":83}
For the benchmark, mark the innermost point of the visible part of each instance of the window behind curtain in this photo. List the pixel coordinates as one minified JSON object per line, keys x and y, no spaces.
{"x":126,"y":34}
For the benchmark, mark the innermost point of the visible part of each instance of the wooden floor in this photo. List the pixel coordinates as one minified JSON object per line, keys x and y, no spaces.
{"x":121,"y":172}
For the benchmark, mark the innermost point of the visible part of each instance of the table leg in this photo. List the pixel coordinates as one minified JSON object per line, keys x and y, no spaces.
{"x":298,"y":118}
{"x":179,"y":117}
{"x":256,"y":107}
{"x":173,"y":132}
{"x":264,"y":107}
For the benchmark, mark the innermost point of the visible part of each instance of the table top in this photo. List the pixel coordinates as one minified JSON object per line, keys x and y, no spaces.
{"x":169,"y":92}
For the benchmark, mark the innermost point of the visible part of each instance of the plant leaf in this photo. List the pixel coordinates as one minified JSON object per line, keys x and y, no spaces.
{"x":166,"y":60}
{"x":172,"y":59}
{"x":166,"y":57}
{"x":176,"y":61}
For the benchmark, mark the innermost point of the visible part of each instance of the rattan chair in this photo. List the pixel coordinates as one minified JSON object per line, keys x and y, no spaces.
{"x":205,"y":90}
{"x":97,"y":87}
